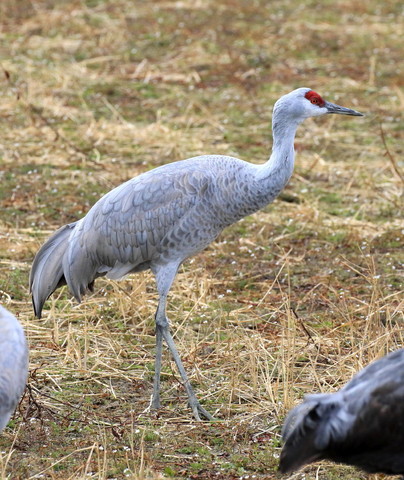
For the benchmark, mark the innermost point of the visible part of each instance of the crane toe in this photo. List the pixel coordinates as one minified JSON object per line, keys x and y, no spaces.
{"x":198,"y":411}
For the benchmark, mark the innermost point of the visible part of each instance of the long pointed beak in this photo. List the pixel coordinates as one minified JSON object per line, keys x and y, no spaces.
{"x":333,"y":108}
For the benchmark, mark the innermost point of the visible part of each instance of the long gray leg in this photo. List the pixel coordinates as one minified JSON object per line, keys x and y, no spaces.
{"x":155,"y":404}
{"x":193,"y":402}
{"x":164,"y":279}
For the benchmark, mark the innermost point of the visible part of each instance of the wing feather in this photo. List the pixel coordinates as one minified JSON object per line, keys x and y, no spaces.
{"x":129,"y":226}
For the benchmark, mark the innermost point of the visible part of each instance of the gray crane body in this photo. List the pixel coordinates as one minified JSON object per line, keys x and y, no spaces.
{"x":160,"y":218}
{"x":362,"y":424}
{"x":13,"y":365}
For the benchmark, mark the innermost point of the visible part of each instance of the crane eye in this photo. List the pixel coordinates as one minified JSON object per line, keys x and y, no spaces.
{"x":314,"y":98}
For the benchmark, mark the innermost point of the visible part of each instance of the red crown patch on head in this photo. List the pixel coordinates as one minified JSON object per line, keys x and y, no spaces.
{"x":315,"y":98}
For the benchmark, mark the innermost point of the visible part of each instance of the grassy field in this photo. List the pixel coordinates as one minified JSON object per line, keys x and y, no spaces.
{"x":292,"y":300}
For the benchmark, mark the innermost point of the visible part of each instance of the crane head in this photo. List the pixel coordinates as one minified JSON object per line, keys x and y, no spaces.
{"x":304,"y":102}
{"x":315,"y":99}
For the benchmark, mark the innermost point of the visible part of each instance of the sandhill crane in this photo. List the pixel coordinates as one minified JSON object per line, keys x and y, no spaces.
{"x":362,"y":424}
{"x":160,"y":218}
{"x":13,"y":364}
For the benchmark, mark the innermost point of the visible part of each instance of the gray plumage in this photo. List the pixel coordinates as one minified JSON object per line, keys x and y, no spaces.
{"x":13,"y":364}
{"x":160,"y":218}
{"x":362,"y":424}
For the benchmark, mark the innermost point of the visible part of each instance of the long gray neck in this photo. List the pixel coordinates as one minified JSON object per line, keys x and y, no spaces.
{"x":276,"y":172}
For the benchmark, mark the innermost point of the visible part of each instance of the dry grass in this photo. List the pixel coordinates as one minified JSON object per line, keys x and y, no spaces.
{"x":292,"y":300}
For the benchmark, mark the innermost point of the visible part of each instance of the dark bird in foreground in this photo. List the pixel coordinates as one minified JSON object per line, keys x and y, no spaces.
{"x":362,"y":424}
{"x":13,"y":364}
{"x":160,"y":218}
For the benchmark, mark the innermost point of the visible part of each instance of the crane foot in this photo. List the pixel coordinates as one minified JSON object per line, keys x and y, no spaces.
{"x":199,"y":412}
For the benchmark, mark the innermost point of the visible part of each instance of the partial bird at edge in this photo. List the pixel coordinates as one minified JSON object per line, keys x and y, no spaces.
{"x":13,"y":364}
{"x":361,"y":425}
